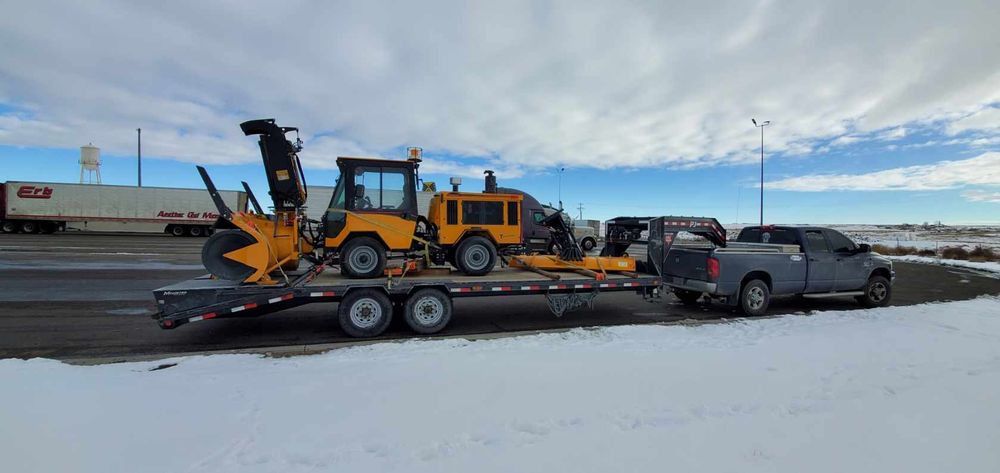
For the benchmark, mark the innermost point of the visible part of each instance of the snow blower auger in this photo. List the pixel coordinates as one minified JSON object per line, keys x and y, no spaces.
{"x":250,"y":246}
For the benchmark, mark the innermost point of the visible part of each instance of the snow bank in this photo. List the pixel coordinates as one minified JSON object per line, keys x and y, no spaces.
{"x":897,"y":389}
{"x":989,"y":267}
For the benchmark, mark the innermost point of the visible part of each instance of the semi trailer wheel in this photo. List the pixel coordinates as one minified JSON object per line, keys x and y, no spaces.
{"x":9,"y":226}
{"x":427,"y":311}
{"x":212,"y":255}
{"x":476,"y":256}
{"x":195,"y":231}
{"x":365,"y":313}
{"x":177,"y":230}
{"x":362,"y":257}
{"x":687,"y":297}
{"x":29,"y":227}
{"x":754,"y":297}
{"x":878,"y":293}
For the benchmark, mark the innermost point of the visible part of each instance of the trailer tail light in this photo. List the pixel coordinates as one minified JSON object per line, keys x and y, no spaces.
{"x":713,"y":269}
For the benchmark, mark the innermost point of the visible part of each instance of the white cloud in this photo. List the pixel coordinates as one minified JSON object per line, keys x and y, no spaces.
{"x":528,"y":85}
{"x":980,"y":170}
{"x":986,"y":119}
{"x":982,"y":196}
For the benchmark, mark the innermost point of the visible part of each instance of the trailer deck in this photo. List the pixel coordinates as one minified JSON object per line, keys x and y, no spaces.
{"x":205,"y":298}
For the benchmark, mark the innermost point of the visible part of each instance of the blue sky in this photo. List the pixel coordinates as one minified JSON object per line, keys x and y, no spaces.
{"x":881,"y":114}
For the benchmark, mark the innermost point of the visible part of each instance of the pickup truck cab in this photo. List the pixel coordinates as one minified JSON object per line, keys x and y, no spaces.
{"x":781,"y":260}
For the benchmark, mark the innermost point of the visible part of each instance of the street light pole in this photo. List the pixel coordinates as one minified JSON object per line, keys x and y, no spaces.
{"x":138,"y":145}
{"x":761,"y":126}
{"x":560,"y":187}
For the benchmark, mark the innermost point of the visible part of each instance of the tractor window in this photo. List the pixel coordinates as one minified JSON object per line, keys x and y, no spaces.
{"x":512,"y":213}
{"x":482,"y":213}
{"x":382,"y":189}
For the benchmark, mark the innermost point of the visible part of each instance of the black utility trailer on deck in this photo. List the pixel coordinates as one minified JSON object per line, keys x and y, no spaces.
{"x":366,"y":306}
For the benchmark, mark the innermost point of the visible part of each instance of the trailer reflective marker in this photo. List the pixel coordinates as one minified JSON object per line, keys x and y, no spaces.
{"x":322,"y":294}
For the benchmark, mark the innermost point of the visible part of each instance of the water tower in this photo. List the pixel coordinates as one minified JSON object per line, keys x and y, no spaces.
{"x":90,"y":162}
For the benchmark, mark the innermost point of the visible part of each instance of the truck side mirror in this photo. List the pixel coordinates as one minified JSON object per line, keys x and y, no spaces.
{"x":864,"y":248}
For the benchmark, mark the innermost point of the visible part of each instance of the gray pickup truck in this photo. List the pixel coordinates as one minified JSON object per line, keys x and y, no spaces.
{"x":783,"y":260}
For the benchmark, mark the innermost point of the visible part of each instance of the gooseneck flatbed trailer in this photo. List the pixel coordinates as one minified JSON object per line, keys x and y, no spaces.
{"x":366,"y":306}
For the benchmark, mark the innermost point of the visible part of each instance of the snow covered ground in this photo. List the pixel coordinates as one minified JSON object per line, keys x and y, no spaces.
{"x":898,"y":389}
{"x":990,"y":267}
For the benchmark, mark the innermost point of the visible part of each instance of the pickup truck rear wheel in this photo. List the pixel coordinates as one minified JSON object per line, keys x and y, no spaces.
{"x":754,"y":297}
{"x":687,"y":297}
{"x":878,"y":292}
{"x":365,"y":313}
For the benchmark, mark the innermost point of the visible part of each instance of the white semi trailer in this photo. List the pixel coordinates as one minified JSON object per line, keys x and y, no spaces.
{"x":45,"y":207}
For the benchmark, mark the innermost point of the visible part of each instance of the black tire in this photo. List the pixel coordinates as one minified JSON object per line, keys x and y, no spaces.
{"x":365,"y":313}
{"x":218,"y":245}
{"x":428,"y":311}
{"x":754,"y":298}
{"x":553,"y":248}
{"x":476,"y":256}
{"x":48,"y":228}
{"x":176,"y":230}
{"x":362,"y":257}
{"x":588,"y":244}
{"x":878,"y":293}
{"x":195,"y":231}
{"x":687,"y":297}
{"x":9,"y":226}
{"x":29,"y":227}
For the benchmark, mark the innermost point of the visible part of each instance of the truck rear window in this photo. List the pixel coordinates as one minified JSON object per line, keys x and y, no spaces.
{"x":777,"y":236}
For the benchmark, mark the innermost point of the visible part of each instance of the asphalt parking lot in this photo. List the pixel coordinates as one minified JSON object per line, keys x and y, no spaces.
{"x":72,"y":296}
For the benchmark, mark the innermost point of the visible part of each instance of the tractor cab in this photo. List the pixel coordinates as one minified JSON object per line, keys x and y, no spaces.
{"x":377,"y":187}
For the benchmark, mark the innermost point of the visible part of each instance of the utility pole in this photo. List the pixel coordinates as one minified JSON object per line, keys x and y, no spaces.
{"x":580,"y":207}
{"x":761,"y":126}
{"x":138,"y":132}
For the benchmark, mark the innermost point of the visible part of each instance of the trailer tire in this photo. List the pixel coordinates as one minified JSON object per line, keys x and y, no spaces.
{"x":48,"y":228}
{"x":365,"y":312}
{"x":754,"y":297}
{"x":588,"y":244}
{"x":195,"y":231}
{"x":8,"y":226}
{"x":29,"y":227}
{"x":176,"y":230}
{"x":362,"y":257}
{"x":687,"y":297}
{"x":878,"y":293}
{"x":428,"y":311}
{"x":476,"y":256}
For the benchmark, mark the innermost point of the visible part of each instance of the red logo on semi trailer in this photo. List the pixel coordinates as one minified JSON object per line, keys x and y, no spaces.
{"x":32,"y":192}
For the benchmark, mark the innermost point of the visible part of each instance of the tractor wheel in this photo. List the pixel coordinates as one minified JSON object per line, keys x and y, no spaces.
{"x":476,"y":256}
{"x":362,"y":257}
{"x":218,"y":245}
{"x":588,"y":244}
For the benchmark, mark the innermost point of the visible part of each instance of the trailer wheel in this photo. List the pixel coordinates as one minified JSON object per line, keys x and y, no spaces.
{"x":176,"y":230}
{"x":195,"y":231}
{"x":48,"y":228}
{"x":476,"y":256}
{"x":29,"y":227}
{"x":428,"y":311}
{"x":365,"y":312}
{"x":754,"y":297}
{"x":362,"y":257}
{"x":687,"y":297}
{"x":878,"y":293}
{"x":9,"y":226}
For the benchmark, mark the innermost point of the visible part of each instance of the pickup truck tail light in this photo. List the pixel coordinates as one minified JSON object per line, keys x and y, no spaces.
{"x":713,"y":269}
